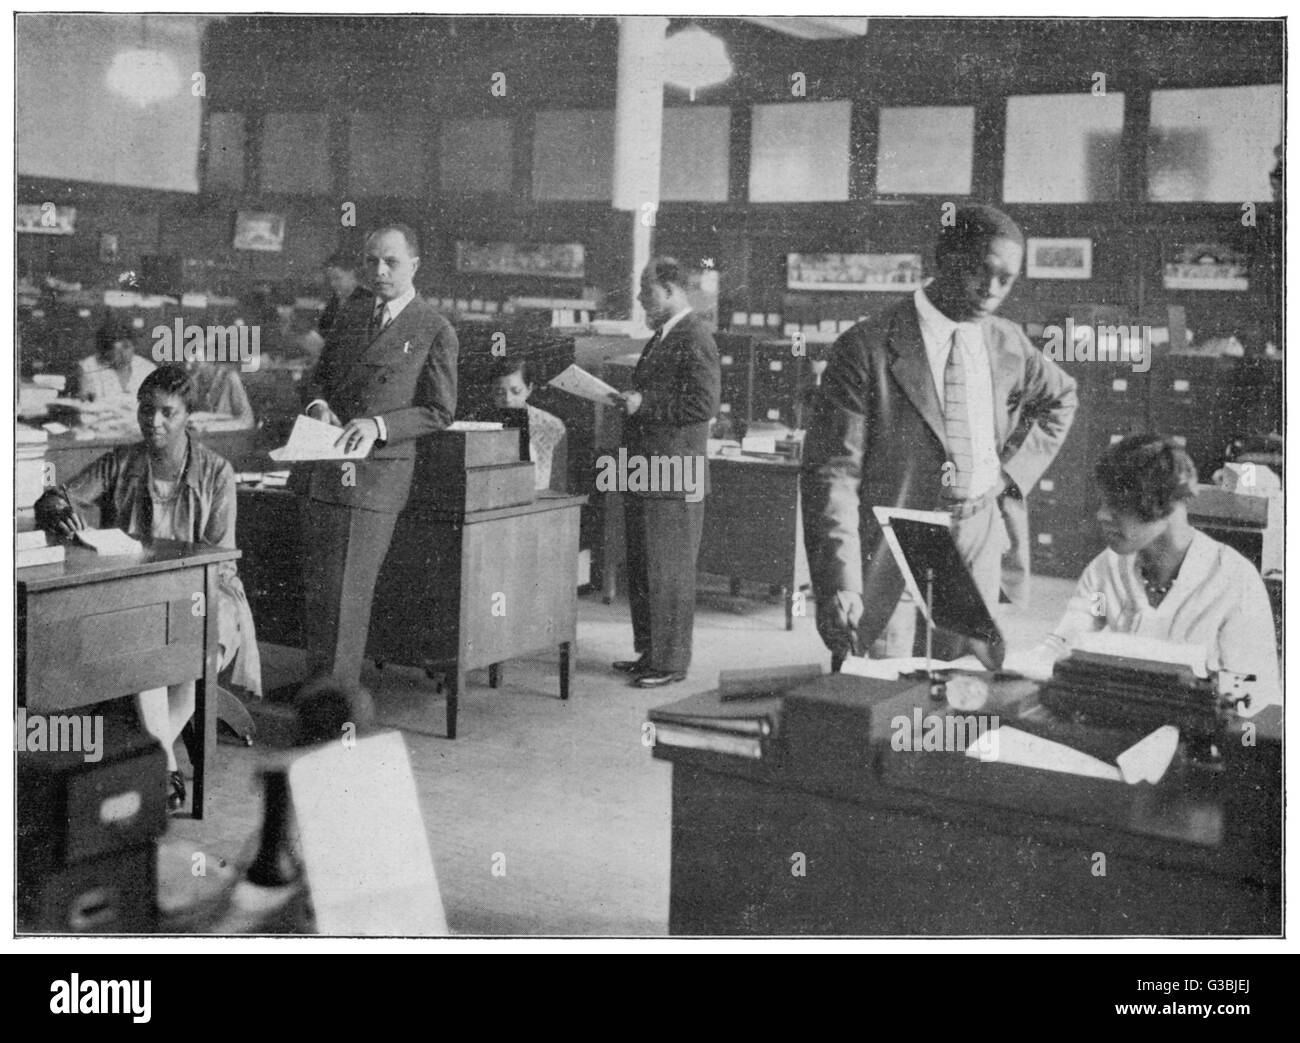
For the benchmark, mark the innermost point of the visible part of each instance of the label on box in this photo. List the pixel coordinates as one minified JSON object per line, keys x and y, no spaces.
{"x":773,"y":319}
{"x":1182,"y":386}
{"x":1045,"y":538}
{"x":775,"y":365}
{"x":1119,"y":385}
{"x":726,"y":360}
{"x":739,"y":318}
{"x":1047,"y":485}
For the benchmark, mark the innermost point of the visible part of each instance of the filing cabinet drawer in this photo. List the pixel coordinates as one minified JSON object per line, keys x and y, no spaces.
{"x":111,"y":895}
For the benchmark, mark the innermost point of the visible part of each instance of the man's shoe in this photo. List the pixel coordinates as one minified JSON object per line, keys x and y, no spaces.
{"x":657,"y":679}
{"x":632,"y":666}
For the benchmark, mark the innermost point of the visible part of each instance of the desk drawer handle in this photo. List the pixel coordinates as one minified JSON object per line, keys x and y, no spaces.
{"x":119,"y":808}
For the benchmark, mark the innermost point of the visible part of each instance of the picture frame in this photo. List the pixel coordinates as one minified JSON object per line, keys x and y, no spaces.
{"x":546,"y":260}
{"x":259,"y":230}
{"x":1058,"y":258}
{"x":853,"y":273}
{"x":1205,"y":266}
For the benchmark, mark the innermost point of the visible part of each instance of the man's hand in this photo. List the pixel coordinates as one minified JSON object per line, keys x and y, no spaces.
{"x":322,"y":412}
{"x":360,"y":434}
{"x":848,"y":609}
{"x":838,"y":619}
{"x":629,"y":400}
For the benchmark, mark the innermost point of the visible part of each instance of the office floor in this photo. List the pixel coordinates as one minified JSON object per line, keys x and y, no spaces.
{"x":564,"y":796}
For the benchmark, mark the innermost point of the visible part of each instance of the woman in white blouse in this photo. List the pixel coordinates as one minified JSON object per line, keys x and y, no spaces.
{"x":1160,"y":578}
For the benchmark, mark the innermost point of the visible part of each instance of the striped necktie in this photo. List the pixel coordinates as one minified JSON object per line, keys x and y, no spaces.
{"x":379,"y":320}
{"x":956,"y":423}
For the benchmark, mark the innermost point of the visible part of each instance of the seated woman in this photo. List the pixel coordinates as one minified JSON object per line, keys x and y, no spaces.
{"x":115,"y":372}
{"x":1163,"y":579}
{"x":218,"y":389}
{"x":512,"y":383}
{"x":168,"y":487}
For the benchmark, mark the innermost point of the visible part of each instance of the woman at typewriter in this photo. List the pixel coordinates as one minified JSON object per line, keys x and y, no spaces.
{"x":167,"y":487}
{"x":1162,"y":579}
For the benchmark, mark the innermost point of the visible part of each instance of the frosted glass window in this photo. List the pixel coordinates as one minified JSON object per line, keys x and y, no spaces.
{"x":926,"y":150}
{"x":1213,"y":145}
{"x":476,"y":155}
{"x":573,"y":154}
{"x":225,"y":151}
{"x":295,"y":152}
{"x":387,"y":154}
{"x":800,"y":152}
{"x":696,"y":153}
{"x":1063,"y":148}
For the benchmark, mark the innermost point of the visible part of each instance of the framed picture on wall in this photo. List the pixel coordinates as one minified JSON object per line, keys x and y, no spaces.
{"x":257,"y":230}
{"x":854,"y":273}
{"x":548,"y":260}
{"x":1205,"y":266}
{"x":45,"y":219}
{"x":1058,"y":258}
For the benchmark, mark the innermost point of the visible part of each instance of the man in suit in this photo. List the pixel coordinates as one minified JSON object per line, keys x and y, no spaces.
{"x":341,"y":275}
{"x":934,"y":404}
{"x":386,"y":377}
{"x":676,"y":389}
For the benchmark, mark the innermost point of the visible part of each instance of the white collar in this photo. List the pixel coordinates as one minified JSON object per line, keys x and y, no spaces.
{"x":936,"y":323}
{"x":1198,"y":563}
{"x":667,"y":326}
{"x":396,"y":305}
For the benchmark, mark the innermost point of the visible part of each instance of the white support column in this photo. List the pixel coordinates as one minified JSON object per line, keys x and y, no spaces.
{"x":638,"y":137}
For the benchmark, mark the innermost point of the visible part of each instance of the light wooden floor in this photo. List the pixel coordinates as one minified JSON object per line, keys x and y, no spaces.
{"x":564,"y":793}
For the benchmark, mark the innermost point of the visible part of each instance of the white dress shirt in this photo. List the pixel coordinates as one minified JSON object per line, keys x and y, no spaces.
{"x":937,"y":332}
{"x":1217,"y":602}
{"x":394,"y":307}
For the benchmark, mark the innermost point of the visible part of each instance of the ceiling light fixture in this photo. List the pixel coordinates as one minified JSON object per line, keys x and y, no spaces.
{"x":695,"y":60}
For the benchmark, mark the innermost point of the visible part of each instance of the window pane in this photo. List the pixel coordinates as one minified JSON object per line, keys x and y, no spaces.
{"x":295,"y":156}
{"x":1063,"y":148}
{"x":800,"y":152}
{"x":476,"y":155}
{"x":696,"y":153}
{"x":926,"y":150}
{"x":387,"y":154}
{"x":573,"y":154}
{"x":225,"y":151}
{"x":1213,"y":145}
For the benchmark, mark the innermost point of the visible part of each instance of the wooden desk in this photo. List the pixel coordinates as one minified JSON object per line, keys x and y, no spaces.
{"x":457,"y":592}
{"x":753,"y":529}
{"x":834,"y":832}
{"x":93,"y":628}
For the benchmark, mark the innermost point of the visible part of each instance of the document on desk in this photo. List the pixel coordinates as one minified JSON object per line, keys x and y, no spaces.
{"x":577,"y":381}
{"x":313,"y":440}
{"x":109,"y":542}
{"x":1144,"y":761}
{"x":891,"y":669}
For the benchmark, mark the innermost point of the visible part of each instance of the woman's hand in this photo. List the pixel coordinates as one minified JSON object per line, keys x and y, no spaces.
{"x":56,"y":515}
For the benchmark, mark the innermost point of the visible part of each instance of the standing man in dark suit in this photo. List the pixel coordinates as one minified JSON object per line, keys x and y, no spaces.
{"x":676,"y":390}
{"x":341,"y":274}
{"x":386,"y":377}
{"x":934,"y":404}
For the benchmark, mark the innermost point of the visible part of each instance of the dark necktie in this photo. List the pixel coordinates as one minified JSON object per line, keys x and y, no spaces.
{"x":380,"y":320}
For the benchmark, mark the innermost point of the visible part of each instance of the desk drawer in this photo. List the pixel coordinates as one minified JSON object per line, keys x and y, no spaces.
{"x":113,"y":895}
{"x":105,"y":640}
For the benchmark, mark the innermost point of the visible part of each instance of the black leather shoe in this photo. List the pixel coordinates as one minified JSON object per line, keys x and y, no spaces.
{"x":657,"y":679}
{"x":632,"y":666}
{"x":175,"y":791}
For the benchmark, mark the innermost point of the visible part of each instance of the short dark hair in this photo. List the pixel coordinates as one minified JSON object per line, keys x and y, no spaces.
{"x":171,"y":379}
{"x":667,"y":271}
{"x":974,"y":226}
{"x":344,"y":260}
{"x":111,"y":330}
{"x":1146,"y":475}
{"x":407,"y":232}
{"x":509,"y":365}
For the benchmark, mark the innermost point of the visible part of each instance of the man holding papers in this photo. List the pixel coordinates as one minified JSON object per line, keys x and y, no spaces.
{"x":387,"y":375}
{"x":676,"y":389}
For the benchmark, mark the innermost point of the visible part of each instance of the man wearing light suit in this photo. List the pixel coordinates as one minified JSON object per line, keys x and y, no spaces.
{"x":387,"y":375}
{"x":934,"y":405}
{"x":677,"y":386}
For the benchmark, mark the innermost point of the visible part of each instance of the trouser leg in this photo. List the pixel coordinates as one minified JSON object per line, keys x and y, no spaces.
{"x":673,"y":529}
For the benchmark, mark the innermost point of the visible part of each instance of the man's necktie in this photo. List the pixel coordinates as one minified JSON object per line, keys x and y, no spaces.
{"x":956,"y":423}
{"x":379,"y":320}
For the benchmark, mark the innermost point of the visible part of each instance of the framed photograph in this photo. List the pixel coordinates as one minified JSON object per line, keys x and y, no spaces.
{"x":45,"y":219}
{"x":256,"y":230}
{"x":547,"y":260}
{"x":1058,"y":258}
{"x":853,"y":273}
{"x":1205,"y":266}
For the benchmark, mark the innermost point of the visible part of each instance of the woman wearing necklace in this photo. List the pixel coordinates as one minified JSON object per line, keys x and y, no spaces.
{"x":168,"y":487}
{"x":1161,"y":578}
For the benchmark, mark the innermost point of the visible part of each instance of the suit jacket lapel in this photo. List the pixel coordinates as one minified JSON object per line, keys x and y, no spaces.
{"x":1005,"y":366}
{"x":911,"y":369}
{"x":400,"y":329}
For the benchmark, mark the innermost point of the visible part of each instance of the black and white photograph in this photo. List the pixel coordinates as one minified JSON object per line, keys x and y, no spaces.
{"x":617,"y":480}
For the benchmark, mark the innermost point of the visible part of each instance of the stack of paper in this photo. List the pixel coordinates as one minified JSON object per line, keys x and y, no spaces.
{"x":577,"y":381}
{"x":108,"y":542}
{"x":313,"y":440}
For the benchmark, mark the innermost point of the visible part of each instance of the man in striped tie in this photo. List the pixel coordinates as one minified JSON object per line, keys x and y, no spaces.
{"x":933,"y":404}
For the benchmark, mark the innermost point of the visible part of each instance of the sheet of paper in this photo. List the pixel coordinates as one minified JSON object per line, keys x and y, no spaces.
{"x":1149,"y":759}
{"x":1133,"y":646}
{"x":313,"y":440}
{"x":577,"y":381}
{"x":476,"y":425}
{"x":1007,"y":745}
{"x":890,"y":669}
{"x":109,"y":542}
